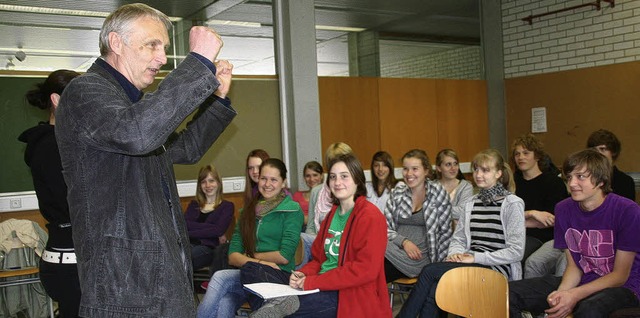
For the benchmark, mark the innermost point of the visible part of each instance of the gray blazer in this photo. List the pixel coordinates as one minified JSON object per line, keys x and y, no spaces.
{"x":128,"y":228}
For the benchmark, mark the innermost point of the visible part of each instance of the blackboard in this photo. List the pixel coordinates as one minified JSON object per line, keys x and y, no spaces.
{"x":257,"y":125}
{"x":16,"y":116}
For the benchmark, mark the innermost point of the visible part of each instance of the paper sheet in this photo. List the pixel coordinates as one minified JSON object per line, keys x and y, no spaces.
{"x":272,"y":290}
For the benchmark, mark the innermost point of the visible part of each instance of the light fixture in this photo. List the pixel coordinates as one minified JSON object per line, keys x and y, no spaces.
{"x":338,"y":28}
{"x":10,"y":65}
{"x":235,"y":23}
{"x":57,"y":11}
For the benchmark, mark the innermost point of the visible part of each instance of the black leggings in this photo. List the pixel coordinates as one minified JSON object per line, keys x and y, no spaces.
{"x":61,"y":283}
{"x":391,"y":272}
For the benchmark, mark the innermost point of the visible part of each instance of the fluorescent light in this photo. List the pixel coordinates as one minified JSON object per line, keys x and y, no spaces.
{"x":57,"y":11}
{"x":338,"y":28}
{"x":257,"y":25}
{"x":235,"y":23}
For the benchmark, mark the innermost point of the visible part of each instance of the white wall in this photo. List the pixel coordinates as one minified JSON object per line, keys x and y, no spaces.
{"x":569,"y":40}
{"x":459,"y":63}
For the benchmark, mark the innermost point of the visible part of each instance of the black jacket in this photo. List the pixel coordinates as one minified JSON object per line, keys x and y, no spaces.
{"x":43,"y":158}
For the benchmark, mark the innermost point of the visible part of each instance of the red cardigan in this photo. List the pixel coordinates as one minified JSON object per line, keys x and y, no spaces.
{"x":359,"y":277}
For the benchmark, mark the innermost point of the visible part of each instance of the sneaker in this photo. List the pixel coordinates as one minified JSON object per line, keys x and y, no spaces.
{"x":277,"y":307}
{"x":204,"y":285}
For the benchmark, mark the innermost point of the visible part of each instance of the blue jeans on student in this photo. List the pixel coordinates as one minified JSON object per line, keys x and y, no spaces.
{"x":422,"y":299}
{"x":531,"y":295}
{"x":224,"y":295}
{"x":321,"y":304}
{"x":201,"y":256}
{"x":307,"y":240}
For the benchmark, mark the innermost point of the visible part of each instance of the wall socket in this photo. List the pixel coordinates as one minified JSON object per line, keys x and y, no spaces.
{"x":15,"y":203}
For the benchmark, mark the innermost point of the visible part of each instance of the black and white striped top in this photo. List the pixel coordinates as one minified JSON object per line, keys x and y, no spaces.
{"x":487,"y":233}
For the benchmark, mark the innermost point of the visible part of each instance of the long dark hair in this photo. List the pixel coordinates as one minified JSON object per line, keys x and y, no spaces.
{"x":56,"y":82}
{"x":391,"y":180}
{"x":248,"y":216}
{"x":249,"y":184}
{"x":355,"y":169}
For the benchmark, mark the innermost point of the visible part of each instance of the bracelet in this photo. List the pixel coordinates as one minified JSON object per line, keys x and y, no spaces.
{"x":402,"y":244}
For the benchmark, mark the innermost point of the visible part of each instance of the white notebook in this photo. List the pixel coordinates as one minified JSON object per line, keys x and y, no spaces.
{"x":272,"y":290}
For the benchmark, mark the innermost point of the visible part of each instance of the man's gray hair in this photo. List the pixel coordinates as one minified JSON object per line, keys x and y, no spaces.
{"x":119,"y":21}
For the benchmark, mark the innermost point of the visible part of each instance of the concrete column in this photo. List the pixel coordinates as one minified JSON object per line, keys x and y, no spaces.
{"x":492,"y":54}
{"x":297,"y":69}
{"x":364,"y":54}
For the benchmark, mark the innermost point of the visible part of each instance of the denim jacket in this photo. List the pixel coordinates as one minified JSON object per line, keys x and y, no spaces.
{"x":117,"y":155}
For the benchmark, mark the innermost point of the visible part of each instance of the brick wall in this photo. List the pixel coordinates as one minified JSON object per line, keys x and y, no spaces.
{"x":578,"y":38}
{"x":459,"y":63}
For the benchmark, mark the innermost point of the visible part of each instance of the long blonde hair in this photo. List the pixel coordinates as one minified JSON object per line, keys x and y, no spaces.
{"x":494,"y":157}
{"x":203,"y":174}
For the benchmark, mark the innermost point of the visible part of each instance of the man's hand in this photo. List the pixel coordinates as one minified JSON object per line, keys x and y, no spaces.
{"x":205,"y":41}
{"x":223,"y":75}
{"x":561,"y":304}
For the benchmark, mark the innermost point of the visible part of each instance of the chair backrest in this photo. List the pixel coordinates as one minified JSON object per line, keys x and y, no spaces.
{"x":474,"y":292}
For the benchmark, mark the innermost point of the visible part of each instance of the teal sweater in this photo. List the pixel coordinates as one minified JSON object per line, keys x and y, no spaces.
{"x":279,"y":230}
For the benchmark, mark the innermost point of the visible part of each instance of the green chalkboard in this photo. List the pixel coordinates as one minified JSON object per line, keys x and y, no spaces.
{"x":16,"y":116}
{"x":257,"y":125}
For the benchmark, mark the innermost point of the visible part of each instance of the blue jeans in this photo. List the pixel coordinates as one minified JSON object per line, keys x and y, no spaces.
{"x":201,"y":256}
{"x":307,"y":241}
{"x":422,"y":299}
{"x":546,"y":260}
{"x":531,"y":295}
{"x":224,"y":295}
{"x":322,"y":304}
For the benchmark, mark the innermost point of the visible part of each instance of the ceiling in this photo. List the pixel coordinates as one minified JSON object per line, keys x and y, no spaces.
{"x":58,"y":34}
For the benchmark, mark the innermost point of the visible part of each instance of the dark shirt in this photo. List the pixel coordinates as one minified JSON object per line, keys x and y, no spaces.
{"x":540,"y":193}
{"x":623,"y":185}
{"x":43,"y":158}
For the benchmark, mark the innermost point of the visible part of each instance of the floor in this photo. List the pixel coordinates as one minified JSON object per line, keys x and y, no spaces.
{"x":397,"y":304}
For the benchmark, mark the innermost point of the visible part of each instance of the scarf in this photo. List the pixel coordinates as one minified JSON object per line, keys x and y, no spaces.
{"x":493,"y":194}
{"x":263,"y":207}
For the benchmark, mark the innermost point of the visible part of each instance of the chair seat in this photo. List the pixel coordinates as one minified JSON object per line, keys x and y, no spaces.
{"x":5,"y":273}
{"x":401,"y":286}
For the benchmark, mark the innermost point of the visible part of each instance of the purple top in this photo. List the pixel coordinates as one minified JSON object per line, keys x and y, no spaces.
{"x":214,"y":226}
{"x":594,"y":237}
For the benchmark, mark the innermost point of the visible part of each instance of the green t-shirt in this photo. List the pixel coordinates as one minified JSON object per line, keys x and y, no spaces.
{"x":332,"y":242}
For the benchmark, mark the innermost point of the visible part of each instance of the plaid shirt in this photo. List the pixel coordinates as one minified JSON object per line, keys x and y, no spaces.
{"x":437,"y":216}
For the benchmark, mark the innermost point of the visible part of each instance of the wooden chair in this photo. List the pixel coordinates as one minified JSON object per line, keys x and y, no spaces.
{"x":402,"y":287}
{"x":23,"y":276}
{"x":474,"y":292}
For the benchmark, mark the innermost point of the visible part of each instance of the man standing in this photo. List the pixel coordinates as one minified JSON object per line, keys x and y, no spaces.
{"x":599,"y":230}
{"x":117,"y":148}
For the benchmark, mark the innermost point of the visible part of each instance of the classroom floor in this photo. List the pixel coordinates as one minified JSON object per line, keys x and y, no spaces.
{"x":397,"y":304}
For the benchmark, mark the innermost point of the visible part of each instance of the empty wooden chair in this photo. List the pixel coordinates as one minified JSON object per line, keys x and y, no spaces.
{"x":474,"y":292}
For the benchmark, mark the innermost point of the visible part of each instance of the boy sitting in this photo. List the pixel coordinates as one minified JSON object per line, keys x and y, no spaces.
{"x":599,"y":231}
